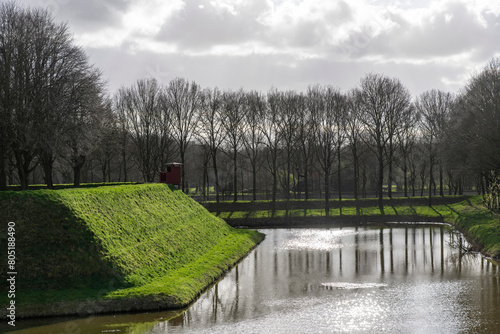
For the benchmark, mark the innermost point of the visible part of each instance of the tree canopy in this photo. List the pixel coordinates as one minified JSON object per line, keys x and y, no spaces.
{"x":57,"y":122}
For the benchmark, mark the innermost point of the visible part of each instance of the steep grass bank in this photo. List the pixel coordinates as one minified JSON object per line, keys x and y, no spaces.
{"x":479,"y":225}
{"x":120,"y":248}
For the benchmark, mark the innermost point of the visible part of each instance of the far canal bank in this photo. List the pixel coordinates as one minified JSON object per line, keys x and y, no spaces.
{"x":480,"y":226}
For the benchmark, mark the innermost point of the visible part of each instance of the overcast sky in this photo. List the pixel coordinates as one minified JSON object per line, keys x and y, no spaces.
{"x":288,"y":44}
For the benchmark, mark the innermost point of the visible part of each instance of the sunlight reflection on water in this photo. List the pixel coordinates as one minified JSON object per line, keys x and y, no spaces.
{"x":349,"y":286}
{"x":315,"y":240}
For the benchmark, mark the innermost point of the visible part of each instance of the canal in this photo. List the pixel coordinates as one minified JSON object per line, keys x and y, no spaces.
{"x":405,"y":279}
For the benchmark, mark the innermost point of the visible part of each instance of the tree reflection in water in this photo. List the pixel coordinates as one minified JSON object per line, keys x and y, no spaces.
{"x":359,"y":278}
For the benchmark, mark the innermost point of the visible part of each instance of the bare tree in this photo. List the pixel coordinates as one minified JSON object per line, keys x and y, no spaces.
{"x":18,"y":107}
{"x":233,"y":112}
{"x":352,"y":128}
{"x":326,"y":105}
{"x":382,"y":100}
{"x":46,"y":84}
{"x":434,"y":107}
{"x":211,"y":129}
{"x":147,"y":122}
{"x":120,"y":110}
{"x":272,"y":141}
{"x":184,"y":101}
{"x":341,"y":114}
{"x":108,"y":146}
{"x":85,"y":113}
{"x":290,"y":105}
{"x":305,"y":137}
{"x":9,"y":19}
{"x":252,"y":136}
{"x":473,"y":138}
{"x":399,"y":112}
{"x":406,"y":139}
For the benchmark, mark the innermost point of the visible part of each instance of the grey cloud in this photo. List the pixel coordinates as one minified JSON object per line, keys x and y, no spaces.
{"x":197,"y":28}
{"x":489,"y":41}
{"x":312,"y":33}
{"x":261,"y":72}
{"x":436,"y":38}
{"x":84,"y":16}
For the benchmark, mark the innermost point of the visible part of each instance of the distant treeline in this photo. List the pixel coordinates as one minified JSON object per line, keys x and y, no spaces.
{"x":58,"y":124}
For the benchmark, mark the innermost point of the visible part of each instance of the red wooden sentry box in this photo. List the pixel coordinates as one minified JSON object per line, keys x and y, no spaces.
{"x":172,"y":175}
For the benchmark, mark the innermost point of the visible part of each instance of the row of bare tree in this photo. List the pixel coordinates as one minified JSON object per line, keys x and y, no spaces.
{"x":50,"y":97}
{"x":56,"y":120}
{"x":290,"y":136}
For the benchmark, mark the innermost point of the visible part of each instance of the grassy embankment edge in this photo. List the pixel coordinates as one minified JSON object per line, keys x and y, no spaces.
{"x":480,"y":226}
{"x":129,"y":248}
{"x":174,"y":291}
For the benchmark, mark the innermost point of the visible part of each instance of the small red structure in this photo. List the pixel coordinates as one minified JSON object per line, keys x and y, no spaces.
{"x":173,"y":174}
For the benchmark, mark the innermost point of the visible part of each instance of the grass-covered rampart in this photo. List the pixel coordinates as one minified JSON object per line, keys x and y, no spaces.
{"x":480,"y":225}
{"x":120,"y":248}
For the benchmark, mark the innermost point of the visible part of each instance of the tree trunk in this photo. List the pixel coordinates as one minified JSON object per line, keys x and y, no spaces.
{"x":254,"y":180}
{"x":306,"y":185}
{"x":389,"y":186}
{"x":275,"y":186}
{"x":405,"y":176}
{"x":109,"y":170}
{"x":235,"y":175}
{"x":287,"y":178}
{"x":78,"y":163}
{"x":483,"y":184}
{"x":413,"y":190}
{"x":183,"y":170}
{"x":242,"y":187}
{"x":124,"y":160}
{"x":450,"y":183}
{"x":356,"y":174}
{"x":327,"y":194}
{"x":356,"y":179}
{"x":441,"y":190}
{"x":204,"y":180}
{"x":431,"y":181}
{"x":104,"y":172}
{"x":216,"y":174}
{"x":365,"y":180}
{"x":306,"y":182}
{"x":380,"y":180}
{"x":23,"y":160}
{"x":3,"y":174}
{"x":339,"y":166}
{"x":48,"y":163}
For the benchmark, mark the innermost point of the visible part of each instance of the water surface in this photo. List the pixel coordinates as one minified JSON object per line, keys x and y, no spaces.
{"x":363,"y":280}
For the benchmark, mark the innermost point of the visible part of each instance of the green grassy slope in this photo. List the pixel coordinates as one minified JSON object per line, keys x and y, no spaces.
{"x":113,"y":243}
{"x":480,"y":225}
